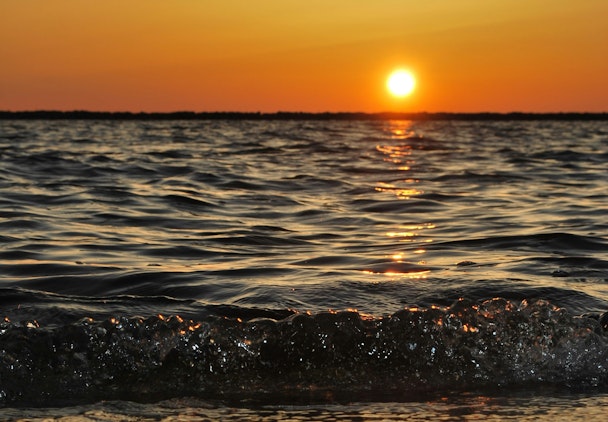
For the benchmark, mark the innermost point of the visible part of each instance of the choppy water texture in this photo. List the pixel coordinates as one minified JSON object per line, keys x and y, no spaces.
{"x":301,"y":262}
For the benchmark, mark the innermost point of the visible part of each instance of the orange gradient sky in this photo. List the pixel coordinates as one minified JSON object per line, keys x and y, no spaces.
{"x":313,"y":55}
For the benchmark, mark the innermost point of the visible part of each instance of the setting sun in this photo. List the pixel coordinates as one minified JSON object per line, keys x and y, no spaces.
{"x":401,"y":83}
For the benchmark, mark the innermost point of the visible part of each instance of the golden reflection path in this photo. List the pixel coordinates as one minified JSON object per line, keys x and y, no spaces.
{"x":400,"y":153}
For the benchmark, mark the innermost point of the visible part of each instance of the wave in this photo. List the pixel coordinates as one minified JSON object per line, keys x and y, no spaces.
{"x":543,"y":241}
{"x":469,"y":345}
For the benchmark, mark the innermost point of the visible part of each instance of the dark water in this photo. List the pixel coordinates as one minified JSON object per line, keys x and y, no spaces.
{"x":301,"y":262}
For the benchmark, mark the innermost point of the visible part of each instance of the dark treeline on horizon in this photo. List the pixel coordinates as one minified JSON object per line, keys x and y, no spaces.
{"x":282,"y":115}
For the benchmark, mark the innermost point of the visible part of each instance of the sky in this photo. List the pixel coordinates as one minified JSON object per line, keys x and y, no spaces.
{"x":310,"y":56}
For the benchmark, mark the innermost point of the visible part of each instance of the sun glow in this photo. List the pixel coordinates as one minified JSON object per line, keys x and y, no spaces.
{"x":401,"y":83}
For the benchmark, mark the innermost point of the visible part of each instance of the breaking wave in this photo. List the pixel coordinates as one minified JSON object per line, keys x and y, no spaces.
{"x":468,"y":345}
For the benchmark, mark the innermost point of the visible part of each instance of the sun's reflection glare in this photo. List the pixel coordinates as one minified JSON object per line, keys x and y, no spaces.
{"x":400,"y":234}
{"x":399,"y":151}
{"x":395,"y":150}
{"x":401,"y":129}
{"x":400,"y":155}
{"x":398,"y":257}
{"x":412,"y":275}
{"x":401,"y":193}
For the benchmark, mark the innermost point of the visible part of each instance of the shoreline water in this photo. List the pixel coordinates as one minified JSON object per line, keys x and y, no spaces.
{"x":512,"y":405}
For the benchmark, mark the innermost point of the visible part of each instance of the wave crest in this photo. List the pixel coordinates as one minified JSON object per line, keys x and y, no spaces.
{"x":468,"y":345}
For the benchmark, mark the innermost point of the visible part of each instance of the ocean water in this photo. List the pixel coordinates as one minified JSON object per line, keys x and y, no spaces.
{"x":303,"y":269}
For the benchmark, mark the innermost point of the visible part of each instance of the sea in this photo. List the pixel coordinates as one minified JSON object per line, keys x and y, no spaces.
{"x":303,"y":269}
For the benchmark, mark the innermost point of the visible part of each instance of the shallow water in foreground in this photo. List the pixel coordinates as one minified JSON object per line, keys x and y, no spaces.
{"x":302,"y":261}
{"x":461,"y":407}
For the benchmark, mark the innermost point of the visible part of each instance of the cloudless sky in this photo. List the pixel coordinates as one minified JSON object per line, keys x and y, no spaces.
{"x":295,"y":55}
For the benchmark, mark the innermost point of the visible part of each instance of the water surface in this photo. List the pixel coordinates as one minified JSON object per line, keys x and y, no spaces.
{"x":284,"y":258}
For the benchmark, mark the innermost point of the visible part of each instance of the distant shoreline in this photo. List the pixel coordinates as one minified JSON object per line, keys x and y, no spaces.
{"x":221,"y":115}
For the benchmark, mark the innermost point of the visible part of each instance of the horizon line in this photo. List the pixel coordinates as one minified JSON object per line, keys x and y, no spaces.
{"x":294,"y":115}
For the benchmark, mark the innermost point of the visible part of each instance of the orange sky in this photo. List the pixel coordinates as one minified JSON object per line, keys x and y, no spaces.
{"x":313,"y":55}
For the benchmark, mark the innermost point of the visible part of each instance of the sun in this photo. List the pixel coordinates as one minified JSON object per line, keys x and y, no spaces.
{"x":401,"y":83}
